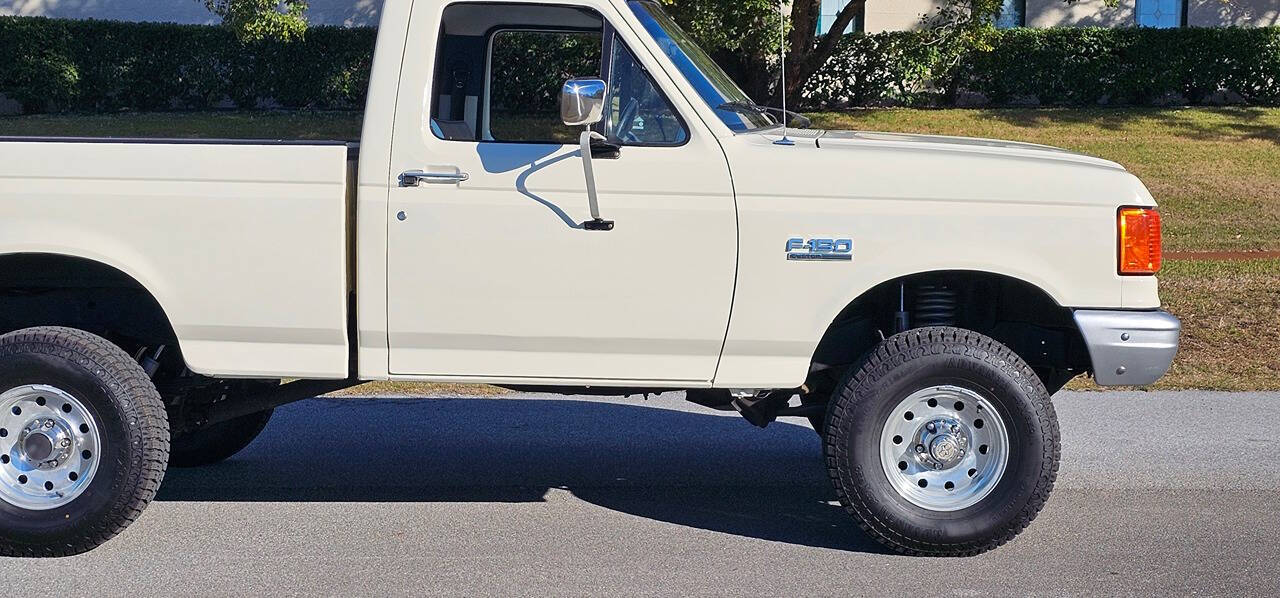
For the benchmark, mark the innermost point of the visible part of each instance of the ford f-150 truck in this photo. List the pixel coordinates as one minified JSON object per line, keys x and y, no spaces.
{"x":917,"y":298}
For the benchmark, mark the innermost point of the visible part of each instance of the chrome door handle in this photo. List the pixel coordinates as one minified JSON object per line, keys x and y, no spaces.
{"x":415,"y":178}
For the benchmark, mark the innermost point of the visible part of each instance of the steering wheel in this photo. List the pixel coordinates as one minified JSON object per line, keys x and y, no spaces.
{"x":628,"y":120}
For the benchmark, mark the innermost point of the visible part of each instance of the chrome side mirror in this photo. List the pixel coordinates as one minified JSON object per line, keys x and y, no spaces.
{"x":582,"y":101}
{"x":582,"y":105}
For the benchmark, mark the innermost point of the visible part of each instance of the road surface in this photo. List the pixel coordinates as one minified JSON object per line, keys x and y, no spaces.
{"x":1158,"y":493}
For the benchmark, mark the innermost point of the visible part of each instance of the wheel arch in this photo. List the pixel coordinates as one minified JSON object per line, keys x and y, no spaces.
{"x":84,"y":291}
{"x":1020,"y":313}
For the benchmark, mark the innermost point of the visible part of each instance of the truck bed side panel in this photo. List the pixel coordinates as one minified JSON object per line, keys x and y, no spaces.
{"x":243,"y":245}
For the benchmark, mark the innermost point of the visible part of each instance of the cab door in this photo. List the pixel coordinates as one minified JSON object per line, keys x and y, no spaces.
{"x":491,"y":274}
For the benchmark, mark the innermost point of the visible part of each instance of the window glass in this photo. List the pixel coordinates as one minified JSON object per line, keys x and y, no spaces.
{"x":827,"y":13}
{"x":1159,"y":13}
{"x":526,"y":71}
{"x":638,"y":112}
{"x":707,"y":78}
{"x":1013,"y":13}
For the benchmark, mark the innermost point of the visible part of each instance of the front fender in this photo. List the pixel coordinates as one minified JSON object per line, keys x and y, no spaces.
{"x":1049,"y":223}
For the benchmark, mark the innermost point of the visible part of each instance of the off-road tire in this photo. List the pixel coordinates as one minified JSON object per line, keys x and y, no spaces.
{"x":217,"y":442}
{"x":134,"y":433}
{"x":919,"y":359}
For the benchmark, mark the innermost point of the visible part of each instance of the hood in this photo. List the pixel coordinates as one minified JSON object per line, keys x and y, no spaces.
{"x":1010,"y":149}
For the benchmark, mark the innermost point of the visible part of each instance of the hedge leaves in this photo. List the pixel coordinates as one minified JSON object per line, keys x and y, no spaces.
{"x":93,"y":66}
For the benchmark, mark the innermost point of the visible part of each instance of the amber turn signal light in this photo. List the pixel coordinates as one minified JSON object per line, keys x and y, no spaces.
{"x":1138,"y":230}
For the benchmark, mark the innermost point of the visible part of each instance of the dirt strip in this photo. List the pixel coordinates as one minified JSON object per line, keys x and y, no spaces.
{"x":1221,"y":255}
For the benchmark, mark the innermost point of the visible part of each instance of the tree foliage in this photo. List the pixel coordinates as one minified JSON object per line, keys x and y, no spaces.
{"x":253,"y":20}
{"x":743,"y":35}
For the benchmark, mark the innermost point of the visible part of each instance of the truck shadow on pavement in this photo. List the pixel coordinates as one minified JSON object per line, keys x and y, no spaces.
{"x":696,"y":469}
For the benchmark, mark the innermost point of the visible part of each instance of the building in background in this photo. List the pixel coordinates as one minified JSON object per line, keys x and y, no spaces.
{"x":895,"y":15}
{"x":1154,"y":13}
{"x":350,"y":13}
{"x":878,"y":15}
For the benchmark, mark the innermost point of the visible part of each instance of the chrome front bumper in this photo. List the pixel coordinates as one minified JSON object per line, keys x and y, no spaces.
{"x":1129,"y":348}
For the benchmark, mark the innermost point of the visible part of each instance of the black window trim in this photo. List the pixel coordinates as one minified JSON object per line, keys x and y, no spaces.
{"x":611,"y":38}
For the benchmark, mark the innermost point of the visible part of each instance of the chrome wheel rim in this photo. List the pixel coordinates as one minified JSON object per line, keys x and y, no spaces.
{"x":49,"y":447}
{"x":944,"y":448}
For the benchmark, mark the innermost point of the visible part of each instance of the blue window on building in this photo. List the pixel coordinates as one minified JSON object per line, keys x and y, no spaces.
{"x":1013,"y":13}
{"x":1160,"y":13}
{"x":828,"y":13}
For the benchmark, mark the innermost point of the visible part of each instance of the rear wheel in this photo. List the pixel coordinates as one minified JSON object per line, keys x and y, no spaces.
{"x":944,"y":442}
{"x":206,"y":444}
{"x":218,"y":442}
{"x":83,"y":441}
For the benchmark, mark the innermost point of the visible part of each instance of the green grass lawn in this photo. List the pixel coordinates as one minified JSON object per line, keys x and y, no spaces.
{"x":1230,"y":315}
{"x":1215,"y":172}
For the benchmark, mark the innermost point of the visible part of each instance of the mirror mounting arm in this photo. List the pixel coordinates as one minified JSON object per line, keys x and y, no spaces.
{"x":582,"y":102}
{"x":596,"y":222}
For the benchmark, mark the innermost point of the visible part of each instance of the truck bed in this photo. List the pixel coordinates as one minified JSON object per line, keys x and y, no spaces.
{"x":244,"y":243}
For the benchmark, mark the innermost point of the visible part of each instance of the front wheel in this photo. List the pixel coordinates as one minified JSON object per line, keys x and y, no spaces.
{"x":943,"y":443}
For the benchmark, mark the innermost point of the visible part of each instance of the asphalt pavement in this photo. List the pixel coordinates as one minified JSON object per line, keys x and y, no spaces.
{"x":1158,"y":493}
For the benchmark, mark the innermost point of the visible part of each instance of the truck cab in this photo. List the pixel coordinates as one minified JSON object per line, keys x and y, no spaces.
{"x":535,"y":296}
{"x":568,"y":196}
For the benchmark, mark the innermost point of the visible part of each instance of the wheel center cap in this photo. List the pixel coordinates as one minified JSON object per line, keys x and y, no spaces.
{"x":947,"y":450}
{"x":38,"y":447}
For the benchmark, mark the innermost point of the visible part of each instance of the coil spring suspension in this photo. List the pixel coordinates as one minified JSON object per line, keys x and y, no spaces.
{"x":935,"y":306}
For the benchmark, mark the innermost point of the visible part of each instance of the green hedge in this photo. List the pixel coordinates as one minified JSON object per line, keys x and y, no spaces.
{"x":53,"y":64}
{"x":521,"y":85}
{"x":1057,"y":67}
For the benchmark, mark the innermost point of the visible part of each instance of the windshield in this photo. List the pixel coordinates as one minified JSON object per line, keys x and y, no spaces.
{"x":710,"y":81}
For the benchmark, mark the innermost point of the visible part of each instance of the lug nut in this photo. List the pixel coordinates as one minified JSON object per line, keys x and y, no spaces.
{"x":48,"y":424}
{"x":930,"y":427}
{"x":955,"y":428}
{"x":66,"y":442}
{"x":53,"y":463}
{"x":920,"y":448}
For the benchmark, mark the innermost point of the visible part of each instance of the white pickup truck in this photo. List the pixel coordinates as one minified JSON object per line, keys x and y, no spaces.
{"x":640,"y":227}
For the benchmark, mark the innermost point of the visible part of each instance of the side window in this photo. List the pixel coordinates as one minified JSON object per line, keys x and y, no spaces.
{"x":526,"y":71}
{"x":499,"y":68}
{"x":638,"y":113}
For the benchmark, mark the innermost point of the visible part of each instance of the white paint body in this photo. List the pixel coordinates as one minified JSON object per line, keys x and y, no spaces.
{"x":244,"y":246}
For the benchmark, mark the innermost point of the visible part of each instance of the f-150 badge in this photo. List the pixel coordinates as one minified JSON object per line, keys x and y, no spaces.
{"x":820,"y":250}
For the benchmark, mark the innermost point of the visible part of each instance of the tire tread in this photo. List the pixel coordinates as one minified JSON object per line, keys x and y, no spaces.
{"x":141,"y":408}
{"x":898,"y":350}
